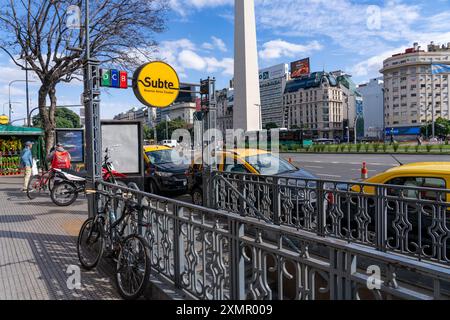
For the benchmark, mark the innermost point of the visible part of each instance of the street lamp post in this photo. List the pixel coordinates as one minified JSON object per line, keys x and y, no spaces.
{"x":348,"y":134}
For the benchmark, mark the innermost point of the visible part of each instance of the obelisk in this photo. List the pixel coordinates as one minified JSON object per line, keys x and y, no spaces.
{"x":247,"y":100}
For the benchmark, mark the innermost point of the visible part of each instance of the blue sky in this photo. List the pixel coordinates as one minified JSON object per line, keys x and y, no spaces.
{"x":354,"y":36}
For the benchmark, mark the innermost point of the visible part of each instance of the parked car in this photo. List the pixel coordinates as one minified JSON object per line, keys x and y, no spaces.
{"x":165,"y":170}
{"x":408,"y":208}
{"x":252,"y":161}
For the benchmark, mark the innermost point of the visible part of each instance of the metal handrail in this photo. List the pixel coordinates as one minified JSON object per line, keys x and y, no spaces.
{"x":193,"y":255}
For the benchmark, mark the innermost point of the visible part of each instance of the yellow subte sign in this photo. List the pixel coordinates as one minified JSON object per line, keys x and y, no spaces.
{"x":156,"y":84}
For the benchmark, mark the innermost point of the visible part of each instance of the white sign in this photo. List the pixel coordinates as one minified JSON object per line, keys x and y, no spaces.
{"x":273,"y":72}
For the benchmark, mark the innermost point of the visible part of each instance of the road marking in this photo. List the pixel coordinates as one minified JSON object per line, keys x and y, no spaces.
{"x":314,"y":167}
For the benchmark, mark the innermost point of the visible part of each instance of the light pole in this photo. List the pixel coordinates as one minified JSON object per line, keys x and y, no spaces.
{"x":9,"y":94}
{"x":11,"y":103}
{"x":27,"y":91}
{"x":348,"y":134}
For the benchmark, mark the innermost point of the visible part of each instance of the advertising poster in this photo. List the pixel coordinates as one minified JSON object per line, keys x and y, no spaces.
{"x":124,"y":147}
{"x":300,"y":68}
{"x":73,"y":142}
{"x":274,"y":72}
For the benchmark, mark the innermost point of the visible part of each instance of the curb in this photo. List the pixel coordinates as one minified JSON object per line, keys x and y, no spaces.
{"x":369,"y":153}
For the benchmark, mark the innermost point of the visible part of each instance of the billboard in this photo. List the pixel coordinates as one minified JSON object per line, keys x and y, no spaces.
{"x":406,"y":131}
{"x":73,"y":142}
{"x":300,"y":68}
{"x":123,"y":140}
{"x":273,"y":72}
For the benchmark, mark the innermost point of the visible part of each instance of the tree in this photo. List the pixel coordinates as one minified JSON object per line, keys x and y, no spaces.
{"x":171,"y":126}
{"x":271,"y":125}
{"x":37,"y":32}
{"x":442,"y":128}
{"x":64,"y":118}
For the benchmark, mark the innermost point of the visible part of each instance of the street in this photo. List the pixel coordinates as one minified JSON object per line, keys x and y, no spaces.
{"x":348,"y":166}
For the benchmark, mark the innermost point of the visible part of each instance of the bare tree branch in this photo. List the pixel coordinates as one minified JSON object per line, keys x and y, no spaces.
{"x":122,"y":33}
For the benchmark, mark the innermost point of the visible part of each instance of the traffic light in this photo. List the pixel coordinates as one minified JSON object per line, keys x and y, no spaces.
{"x":204,"y":86}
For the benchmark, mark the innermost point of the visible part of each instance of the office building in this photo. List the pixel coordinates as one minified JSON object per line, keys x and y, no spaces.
{"x":413,"y":96}
{"x":372,"y":94}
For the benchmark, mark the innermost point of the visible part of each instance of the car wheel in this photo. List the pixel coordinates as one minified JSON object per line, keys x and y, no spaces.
{"x":153,"y":188}
{"x":197,"y":197}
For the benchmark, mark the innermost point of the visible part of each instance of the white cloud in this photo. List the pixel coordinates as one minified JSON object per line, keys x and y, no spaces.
{"x":190,"y":60}
{"x":279,"y":48}
{"x":373,"y":64}
{"x":216,"y":43}
{"x":183,"y":7}
{"x":184,"y":55}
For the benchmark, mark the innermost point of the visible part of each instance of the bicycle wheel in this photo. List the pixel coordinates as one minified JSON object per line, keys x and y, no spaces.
{"x":51,"y":182}
{"x":34,"y":187}
{"x":64,"y":194}
{"x":133,"y":267}
{"x":90,"y":244}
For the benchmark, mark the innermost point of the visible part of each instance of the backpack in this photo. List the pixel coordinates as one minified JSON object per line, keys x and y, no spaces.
{"x":61,"y":160}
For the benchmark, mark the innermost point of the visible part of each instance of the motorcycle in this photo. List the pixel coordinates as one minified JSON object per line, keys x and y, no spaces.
{"x":68,"y":185}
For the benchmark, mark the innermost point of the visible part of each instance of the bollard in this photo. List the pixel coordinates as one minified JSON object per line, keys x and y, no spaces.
{"x":364,"y":171}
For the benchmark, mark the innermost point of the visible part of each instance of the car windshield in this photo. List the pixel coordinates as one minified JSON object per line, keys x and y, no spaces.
{"x":166,"y":156}
{"x":267,"y":164}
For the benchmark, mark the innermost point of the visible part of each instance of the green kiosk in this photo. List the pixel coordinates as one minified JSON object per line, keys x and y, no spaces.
{"x":12,"y":141}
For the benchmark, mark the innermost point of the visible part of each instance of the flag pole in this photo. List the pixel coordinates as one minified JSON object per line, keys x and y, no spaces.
{"x":433,"y":132}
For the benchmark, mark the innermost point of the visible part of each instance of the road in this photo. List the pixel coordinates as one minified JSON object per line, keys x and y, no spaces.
{"x":348,"y":166}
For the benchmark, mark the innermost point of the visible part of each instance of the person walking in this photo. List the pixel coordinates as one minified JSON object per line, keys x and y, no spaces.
{"x":60,"y":158}
{"x":419,"y":140}
{"x":26,"y":162}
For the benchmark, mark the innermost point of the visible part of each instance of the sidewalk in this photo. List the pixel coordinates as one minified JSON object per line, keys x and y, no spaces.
{"x":38,"y":244}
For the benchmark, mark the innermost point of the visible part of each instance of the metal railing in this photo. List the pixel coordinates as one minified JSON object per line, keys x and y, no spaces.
{"x":214,"y":255}
{"x":390,"y":218}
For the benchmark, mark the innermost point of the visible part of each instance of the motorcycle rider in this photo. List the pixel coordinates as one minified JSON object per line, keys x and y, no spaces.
{"x":60,"y":158}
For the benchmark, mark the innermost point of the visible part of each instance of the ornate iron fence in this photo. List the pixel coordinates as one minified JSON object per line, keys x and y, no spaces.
{"x":214,"y":255}
{"x":402,"y":219}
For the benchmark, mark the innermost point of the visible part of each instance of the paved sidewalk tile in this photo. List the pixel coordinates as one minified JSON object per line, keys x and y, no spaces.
{"x":37,"y":246}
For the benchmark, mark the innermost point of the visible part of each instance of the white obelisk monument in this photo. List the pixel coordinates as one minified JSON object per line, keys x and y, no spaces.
{"x":247,"y":100}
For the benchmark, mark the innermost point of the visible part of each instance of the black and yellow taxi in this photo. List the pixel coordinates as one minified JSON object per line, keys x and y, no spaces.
{"x":251,"y":161}
{"x":165,"y":170}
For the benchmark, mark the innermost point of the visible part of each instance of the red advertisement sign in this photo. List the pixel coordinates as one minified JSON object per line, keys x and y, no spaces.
{"x":300,"y":68}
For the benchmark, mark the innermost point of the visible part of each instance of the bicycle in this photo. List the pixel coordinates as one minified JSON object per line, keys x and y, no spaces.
{"x":129,"y":251}
{"x":41,"y":182}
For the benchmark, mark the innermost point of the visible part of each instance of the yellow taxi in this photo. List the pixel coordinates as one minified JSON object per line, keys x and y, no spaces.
{"x":412,"y":213}
{"x":251,"y":161}
{"x":434,"y":175}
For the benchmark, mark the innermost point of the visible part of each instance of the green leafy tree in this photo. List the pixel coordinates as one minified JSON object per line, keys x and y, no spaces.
{"x":64,"y":118}
{"x":171,"y":126}
{"x":442,"y":128}
{"x":271,"y":125}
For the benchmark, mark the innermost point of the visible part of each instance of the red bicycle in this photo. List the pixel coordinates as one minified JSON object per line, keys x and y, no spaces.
{"x":41,"y":182}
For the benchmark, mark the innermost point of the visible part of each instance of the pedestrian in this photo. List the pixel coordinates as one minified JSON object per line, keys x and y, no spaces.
{"x":60,"y":158}
{"x":26,"y":162}
{"x":419,"y":140}
{"x":392,"y":139}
